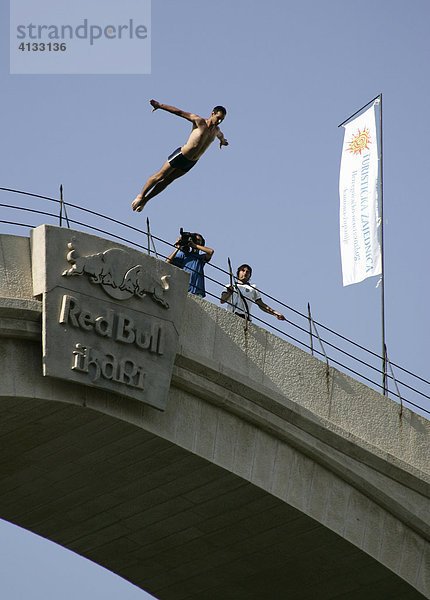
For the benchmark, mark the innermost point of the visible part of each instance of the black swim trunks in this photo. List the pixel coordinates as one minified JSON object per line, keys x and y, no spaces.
{"x":178,"y":161}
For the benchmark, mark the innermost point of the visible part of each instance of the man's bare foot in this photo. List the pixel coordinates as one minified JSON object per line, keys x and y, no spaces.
{"x":138,"y":203}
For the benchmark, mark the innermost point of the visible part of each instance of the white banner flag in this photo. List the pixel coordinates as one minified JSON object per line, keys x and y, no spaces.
{"x":358,"y":190}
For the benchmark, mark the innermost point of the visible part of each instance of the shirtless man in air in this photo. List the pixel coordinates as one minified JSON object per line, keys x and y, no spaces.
{"x":183,"y":159}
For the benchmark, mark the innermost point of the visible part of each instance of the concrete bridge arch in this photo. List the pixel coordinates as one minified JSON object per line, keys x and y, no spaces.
{"x":261,"y":479}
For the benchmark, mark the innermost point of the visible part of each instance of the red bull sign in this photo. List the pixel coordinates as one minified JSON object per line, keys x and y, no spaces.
{"x":111,"y":314}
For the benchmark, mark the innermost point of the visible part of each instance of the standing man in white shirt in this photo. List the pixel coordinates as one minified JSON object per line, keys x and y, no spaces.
{"x":241,"y":296}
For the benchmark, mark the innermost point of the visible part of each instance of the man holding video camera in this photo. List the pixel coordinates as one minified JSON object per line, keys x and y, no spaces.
{"x":187,"y":255}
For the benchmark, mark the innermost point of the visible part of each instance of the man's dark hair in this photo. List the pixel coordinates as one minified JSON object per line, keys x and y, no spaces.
{"x":241,"y":267}
{"x":220,"y":109}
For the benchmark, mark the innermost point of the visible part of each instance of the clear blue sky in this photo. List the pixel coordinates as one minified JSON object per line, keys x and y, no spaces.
{"x":288,"y":73}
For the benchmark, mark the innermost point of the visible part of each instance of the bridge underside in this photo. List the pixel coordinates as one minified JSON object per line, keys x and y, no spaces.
{"x":167,"y":520}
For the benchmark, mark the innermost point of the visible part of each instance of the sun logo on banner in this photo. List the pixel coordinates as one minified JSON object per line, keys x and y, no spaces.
{"x":360,"y":142}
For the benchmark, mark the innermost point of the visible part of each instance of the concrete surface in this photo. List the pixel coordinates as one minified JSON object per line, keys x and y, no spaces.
{"x":261,"y":479}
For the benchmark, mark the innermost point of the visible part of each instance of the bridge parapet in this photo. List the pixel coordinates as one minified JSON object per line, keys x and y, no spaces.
{"x":260,"y":409}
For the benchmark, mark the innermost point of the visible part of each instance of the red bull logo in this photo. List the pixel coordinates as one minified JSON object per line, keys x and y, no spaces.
{"x":115,"y":272}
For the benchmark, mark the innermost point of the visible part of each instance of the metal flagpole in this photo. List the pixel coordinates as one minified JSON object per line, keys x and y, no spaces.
{"x":381,"y":184}
{"x":381,"y":178}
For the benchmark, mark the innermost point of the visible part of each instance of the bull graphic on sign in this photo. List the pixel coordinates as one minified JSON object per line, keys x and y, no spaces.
{"x":140,"y":283}
{"x":99,"y":267}
{"x":119,"y":277}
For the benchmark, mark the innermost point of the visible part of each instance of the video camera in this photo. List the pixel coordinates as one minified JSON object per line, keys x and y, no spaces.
{"x":186,"y":238}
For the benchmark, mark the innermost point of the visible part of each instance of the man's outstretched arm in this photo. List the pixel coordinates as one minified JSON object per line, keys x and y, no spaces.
{"x":175,"y":111}
{"x":264,"y":307}
{"x":222,"y":140}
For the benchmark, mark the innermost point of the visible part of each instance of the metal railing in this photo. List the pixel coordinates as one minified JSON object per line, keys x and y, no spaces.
{"x":346,"y":354}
